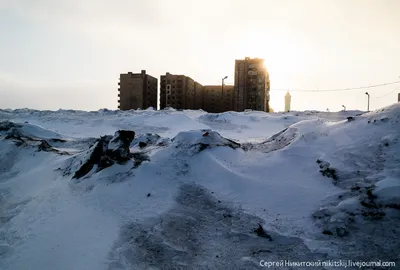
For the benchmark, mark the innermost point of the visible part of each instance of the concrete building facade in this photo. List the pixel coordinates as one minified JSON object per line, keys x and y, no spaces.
{"x":198,"y":96}
{"x":183,"y":92}
{"x":252,"y":85}
{"x":216,"y":100}
{"x":137,"y":91}
{"x":228,"y":98}
{"x":250,"y":90}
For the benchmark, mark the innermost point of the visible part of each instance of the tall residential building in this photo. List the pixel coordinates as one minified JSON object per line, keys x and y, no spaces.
{"x":198,"y":96}
{"x":398,"y":97}
{"x":137,"y":91}
{"x":182,"y":93}
{"x":228,"y":98}
{"x":217,"y":99}
{"x":288,"y":99}
{"x":252,"y":85}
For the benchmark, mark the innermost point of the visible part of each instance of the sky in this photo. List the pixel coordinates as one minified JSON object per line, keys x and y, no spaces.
{"x":69,"y":54}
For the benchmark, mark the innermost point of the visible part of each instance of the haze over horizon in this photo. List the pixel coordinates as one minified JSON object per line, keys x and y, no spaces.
{"x":69,"y":54}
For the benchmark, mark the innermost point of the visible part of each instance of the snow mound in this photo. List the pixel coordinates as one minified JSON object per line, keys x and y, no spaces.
{"x":361,"y":157}
{"x":28,"y":131}
{"x":196,"y":141}
{"x":123,"y":147}
{"x":32,"y":136}
{"x":391,"y":112}
{"x":276,"y":142}
{"x":387,"y":191}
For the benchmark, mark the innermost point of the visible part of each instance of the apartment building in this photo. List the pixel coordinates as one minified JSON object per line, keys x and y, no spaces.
{"x":217,"y":98}
{"x":250,"y":90}
{"x":137,"y":91}
{"x":252,"y":85}
{"x":179,"y":92}
{"x":198,"y":96}
{"x":228,"y":98}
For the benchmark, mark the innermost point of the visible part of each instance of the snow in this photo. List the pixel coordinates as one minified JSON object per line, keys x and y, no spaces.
{"x":168,"y":123}
{"x":197,"y":196}
{"x":388,"y":191}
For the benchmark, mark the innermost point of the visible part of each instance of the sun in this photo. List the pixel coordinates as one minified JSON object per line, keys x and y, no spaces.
{"x":286,"y":57}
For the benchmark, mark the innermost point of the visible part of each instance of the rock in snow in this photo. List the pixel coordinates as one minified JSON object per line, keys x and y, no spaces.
{"x":107,"y":151}
{"x":118,"y":147}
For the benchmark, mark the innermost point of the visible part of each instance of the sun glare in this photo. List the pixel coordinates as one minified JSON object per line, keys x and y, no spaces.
{"x":283,"y":59}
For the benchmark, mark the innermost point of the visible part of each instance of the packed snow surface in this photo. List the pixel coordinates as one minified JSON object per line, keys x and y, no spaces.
{"x":195,"y":190}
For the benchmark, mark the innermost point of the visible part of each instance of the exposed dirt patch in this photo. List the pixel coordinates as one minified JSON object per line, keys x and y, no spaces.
{"x":201,"y":232}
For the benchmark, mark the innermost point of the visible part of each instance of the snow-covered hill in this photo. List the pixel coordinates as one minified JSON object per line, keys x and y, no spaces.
{"x":191,"y":190}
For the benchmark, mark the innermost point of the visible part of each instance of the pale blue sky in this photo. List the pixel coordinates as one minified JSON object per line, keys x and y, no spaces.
{"x":68,"y":54}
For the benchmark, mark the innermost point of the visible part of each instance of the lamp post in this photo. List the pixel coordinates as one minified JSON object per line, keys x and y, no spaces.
{"x":368,"y":101}
{"x":222,"y":93}
{"x":344,"y":108}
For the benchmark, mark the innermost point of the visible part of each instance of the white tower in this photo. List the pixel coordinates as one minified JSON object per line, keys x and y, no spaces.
{"x":288,"y":98}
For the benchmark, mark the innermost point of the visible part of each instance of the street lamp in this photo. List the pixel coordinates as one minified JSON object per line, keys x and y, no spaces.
{"x":368,"y":101}
{"x":222,"y":93}
{"x":344,"y":108}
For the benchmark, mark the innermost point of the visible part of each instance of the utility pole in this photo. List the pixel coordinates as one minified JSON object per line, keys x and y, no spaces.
{"x":368,"y":100}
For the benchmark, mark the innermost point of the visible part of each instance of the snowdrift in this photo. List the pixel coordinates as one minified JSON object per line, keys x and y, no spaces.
{"x":190,"y":190}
